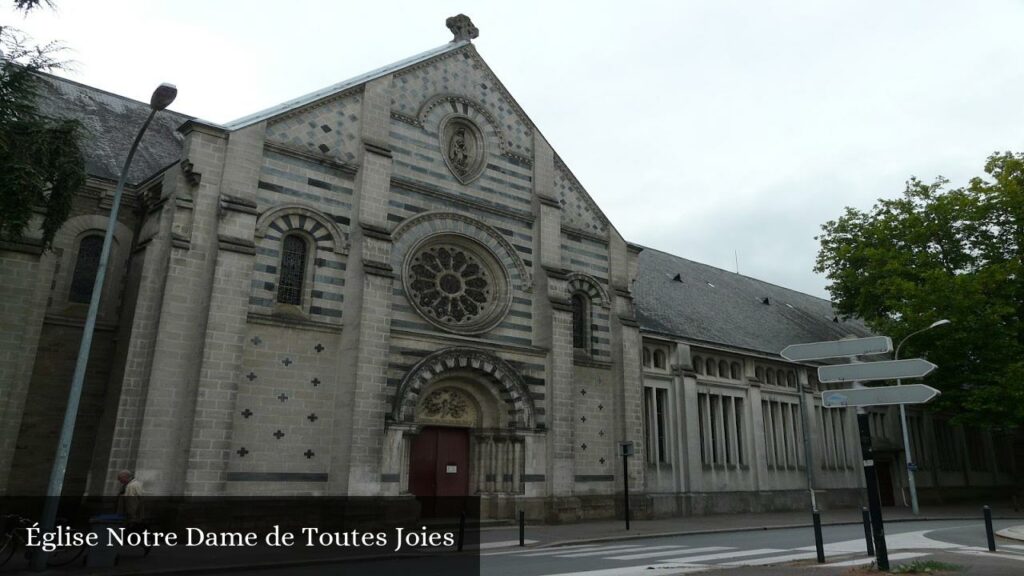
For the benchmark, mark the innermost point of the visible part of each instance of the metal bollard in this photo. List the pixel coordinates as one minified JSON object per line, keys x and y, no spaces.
{"x":462,"y":530}
{"x":818,"y":545}
{"x":522,"y":528}
{"x":867,"y":531}
{"x":988,"y":529}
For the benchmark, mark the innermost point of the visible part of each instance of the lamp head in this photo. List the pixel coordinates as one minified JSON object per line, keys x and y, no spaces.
{"x":938,"y":323}
{"x":163,"y":96}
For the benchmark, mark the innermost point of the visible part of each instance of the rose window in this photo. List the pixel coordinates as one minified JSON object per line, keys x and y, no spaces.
{"x":458,"y":286}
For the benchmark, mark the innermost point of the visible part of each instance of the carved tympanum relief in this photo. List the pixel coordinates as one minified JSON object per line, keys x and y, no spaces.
{"x":447,"y":406}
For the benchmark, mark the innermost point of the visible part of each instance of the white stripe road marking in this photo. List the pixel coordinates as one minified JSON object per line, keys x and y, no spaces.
{"x":566,"y":549}
{"x":772,"y":560}
{"x":641,"y":570}
{"x":502,"y":544}
{"x":723,"y":555}
{"x":675,"y":550}
{"x":1014,"y":546}
{"x":859,"y":561}
{"x":990,"y":554}
{"x":599,"y":552}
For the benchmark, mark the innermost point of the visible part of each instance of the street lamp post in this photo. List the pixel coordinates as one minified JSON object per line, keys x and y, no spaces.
{"x":161,"y":99}
{"x":903,"y":422}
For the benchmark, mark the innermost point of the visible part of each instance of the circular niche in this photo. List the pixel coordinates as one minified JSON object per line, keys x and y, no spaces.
{"x":462,"y":144}
{"x":457,"y":284}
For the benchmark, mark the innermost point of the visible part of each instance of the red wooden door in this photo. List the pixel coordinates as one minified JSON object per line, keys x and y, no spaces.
{"x":439,"y":462}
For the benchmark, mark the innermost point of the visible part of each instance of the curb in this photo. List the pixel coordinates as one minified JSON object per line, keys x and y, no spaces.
{"x":619,"y":537}
{"x":1012,"y":533}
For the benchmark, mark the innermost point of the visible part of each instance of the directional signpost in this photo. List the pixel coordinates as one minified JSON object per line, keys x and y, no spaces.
{"x":859,"y":396}
{"x":838,"y":349}
{"x":870,"y":371}
{"x":880,"y":396}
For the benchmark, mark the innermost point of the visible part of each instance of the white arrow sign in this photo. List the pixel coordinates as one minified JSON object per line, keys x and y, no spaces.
{"x":867,"y":371}
{"x":881,"y":396}
{"x":837,"y":348}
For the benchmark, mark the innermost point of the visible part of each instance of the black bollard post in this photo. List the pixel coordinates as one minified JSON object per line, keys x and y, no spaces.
{"x":867,"y":531}
{"x":818,"y":545}
{"x":988,"y":529}
{"x":462,"y":530}
{"x":522,"y":528}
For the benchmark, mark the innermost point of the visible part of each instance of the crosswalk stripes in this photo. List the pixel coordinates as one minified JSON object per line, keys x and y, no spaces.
{"x":723,"y":555}
{"x":603,"y":552}
{"x":562,"y":551}
{"x":689,"y":559}
{"x":675,"y":551}
{"x":773,"y":559}
{"x":1014,"y":546}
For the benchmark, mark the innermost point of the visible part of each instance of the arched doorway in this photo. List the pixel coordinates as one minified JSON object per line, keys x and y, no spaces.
{"x":439,"y":454}
{"x":461,"y":425}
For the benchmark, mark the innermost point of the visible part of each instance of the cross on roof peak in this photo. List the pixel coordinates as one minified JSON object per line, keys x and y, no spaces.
{"x":462,"y":28}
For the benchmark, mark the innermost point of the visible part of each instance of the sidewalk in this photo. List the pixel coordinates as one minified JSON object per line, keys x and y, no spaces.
{"x":555,"y":535}
{"x":208,"y":560}
{"x":1013,"y":533}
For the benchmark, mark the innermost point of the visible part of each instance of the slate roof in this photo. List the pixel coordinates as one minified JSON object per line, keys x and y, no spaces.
{"x":723,"y":308}
{"x":111,"y":123}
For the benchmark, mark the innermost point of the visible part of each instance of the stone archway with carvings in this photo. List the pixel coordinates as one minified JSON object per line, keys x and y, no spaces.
{"x":451,"y":361}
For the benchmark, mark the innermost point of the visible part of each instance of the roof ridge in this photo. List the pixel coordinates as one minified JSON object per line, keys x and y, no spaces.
{"x":337,"y":87}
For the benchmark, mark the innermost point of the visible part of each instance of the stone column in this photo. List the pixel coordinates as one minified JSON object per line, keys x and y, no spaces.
{"x":759,"y":463}
{"x":554,"y":333}
{"x":356,"y":464}
{"x":24,"y":287}
{"x":625,"y":331}
{"x":166,"y":432}
{"x":226,"y":323}
{"x":168,"y":216}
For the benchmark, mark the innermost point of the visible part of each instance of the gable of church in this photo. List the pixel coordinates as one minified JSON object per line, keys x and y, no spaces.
{"x":578,"y":210}
{"x":329,"y":127}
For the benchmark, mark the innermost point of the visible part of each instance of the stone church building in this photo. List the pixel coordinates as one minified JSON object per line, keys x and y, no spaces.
{"x":394,"y":286}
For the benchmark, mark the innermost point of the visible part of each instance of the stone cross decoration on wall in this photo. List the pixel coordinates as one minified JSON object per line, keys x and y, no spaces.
{"x":462,"y":28}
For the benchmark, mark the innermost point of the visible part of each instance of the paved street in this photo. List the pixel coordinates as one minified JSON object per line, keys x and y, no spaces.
{"x":844,"y":547}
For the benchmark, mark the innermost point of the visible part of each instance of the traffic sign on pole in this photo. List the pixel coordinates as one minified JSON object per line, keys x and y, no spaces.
{"x":869,"y":371}
{"x":880,"y":396}
{"x":837,"y":349}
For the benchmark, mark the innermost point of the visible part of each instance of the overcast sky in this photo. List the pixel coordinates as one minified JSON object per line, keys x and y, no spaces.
{"x":702,"y":128}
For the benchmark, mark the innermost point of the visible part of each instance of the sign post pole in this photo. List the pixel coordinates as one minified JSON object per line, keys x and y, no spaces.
{"x":627,"y":451}
{"x":871,"y":480}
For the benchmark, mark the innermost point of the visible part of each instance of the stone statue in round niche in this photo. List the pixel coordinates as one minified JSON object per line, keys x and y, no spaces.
{"x":457,"y":284}
{"x":463,"y":146}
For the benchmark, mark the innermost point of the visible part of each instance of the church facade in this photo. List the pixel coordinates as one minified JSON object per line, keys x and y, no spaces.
{"x":394,"y":286}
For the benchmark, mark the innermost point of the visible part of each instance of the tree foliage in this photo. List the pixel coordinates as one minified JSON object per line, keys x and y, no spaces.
{"x":41,"y":160}
{"x":940,"y":253}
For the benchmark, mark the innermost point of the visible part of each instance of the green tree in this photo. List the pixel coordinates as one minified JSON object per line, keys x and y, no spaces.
{"x":940,"y":253}
{"x":41,"y":160}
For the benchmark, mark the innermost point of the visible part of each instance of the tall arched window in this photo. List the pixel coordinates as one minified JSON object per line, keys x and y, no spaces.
{"x":293,"y":270}
{"x":87,"y":262}
{"x":580,"y":322}
{"x":698,"y":364}
{"x":647,"y":357}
